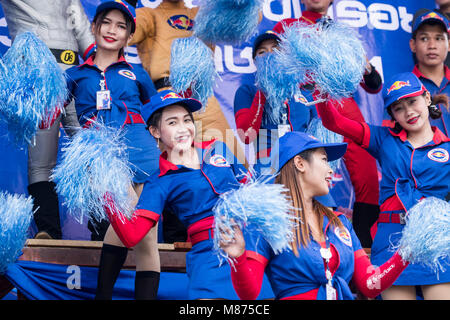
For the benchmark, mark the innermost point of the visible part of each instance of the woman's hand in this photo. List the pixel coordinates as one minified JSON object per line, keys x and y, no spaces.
{"x":232,"y":241}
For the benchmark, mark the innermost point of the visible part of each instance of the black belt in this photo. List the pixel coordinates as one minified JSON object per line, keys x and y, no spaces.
{"x":68,"y":57}
{"x":162,"y":83}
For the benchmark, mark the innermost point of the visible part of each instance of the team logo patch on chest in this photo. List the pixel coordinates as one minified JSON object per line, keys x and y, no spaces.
{"x":300,"y":98}
{"x":343,"y":235}
{"x":438,"y":155}
{"x":218,"y":160}
{"x":127,"y":74}
{"x":181,"y":22}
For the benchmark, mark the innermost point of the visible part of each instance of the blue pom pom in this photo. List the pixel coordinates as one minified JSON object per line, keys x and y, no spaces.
{"x":300,"y":50}
{"x":228,"y":21}
{"x":260,"y":204}
{"x":94,"y":163}
{"x":316,"y":129}
{"x":16,"y":212}
{"x":192,"y":67}
{"x":426,"y":237}
{"x":32,"y":88}
{"x":329,"y":55}
{"x":342,"y":61}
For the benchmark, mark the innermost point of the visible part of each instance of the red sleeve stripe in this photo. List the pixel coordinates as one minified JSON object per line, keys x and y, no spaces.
{"x":366,"y":137}
{"x":256,"y":256}
{"x":147,"y":214}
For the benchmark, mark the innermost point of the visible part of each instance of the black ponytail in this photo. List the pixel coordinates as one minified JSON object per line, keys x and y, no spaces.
{"x":435,"y":112}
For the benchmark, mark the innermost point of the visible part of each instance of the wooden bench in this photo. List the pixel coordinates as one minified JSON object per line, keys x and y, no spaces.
{"x":87,"y":253}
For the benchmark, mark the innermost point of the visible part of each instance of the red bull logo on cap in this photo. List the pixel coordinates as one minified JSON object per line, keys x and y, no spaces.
{"x":432,"y":15}
{"x":171,"y":95}
{"x":398,"y":85}
{"x":121,"y":2}
{"x":181,"y":22}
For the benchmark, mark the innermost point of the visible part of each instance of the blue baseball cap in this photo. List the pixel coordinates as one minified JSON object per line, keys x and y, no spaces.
{"x":266,"y":35}
{"x":121,"y":5}
{"x":166,"y":98}
{"x":427,"y":16}
{"x":402,"y":85}
{"x":295,"y":142}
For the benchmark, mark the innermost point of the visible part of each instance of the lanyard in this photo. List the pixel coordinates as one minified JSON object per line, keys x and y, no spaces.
{"x":284,"y":127}
{"x":103,"y":82}
{"x":284,"y":115}
{"x":326,"y":255}
{"x":104,"y":95}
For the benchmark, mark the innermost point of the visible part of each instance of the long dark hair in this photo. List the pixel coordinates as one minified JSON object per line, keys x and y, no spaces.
{"x":288,"y":178}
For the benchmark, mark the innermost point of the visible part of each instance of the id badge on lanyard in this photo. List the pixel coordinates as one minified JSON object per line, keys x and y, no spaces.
{"x":103,"y":97}
{"x":284,"y":127}
{"x":330,"y":291}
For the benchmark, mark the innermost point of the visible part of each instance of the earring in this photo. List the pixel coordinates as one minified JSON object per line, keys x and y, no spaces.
{"x":125,"y":52}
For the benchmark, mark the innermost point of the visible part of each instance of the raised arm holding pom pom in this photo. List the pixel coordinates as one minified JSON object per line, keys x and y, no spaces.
{"x":414,"y":157}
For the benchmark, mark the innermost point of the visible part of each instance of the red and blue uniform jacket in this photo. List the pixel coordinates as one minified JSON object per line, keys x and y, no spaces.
{"x":130,"y":87}
{"x":408,"y":173}
{"x":291,"y":276}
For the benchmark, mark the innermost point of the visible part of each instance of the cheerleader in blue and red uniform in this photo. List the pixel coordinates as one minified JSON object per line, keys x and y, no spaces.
{"x":414,"y":158}
{"x":108,"y":89}
{"x":190,"y":179}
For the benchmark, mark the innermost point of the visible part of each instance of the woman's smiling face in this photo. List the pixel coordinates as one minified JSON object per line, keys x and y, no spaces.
{"x":112,"y":33}
{"x":412,"y":113}
{"x":176,"y":129}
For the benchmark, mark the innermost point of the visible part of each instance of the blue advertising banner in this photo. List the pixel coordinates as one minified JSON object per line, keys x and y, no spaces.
{"x":384,"y":27}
